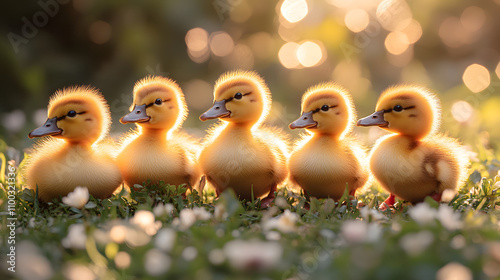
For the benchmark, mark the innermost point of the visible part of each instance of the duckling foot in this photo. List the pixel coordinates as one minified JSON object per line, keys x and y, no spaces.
{"x":266,"y":202}
{"x":388,"y":203}
{"x":436,"y":197}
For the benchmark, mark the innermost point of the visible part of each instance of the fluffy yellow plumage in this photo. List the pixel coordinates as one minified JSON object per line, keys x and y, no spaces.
{"x":75,"y":155}
{"x":415,"y":161}
{"x":157,"y":151}
{"x":241,"y":153}
{"x":328,"y":158}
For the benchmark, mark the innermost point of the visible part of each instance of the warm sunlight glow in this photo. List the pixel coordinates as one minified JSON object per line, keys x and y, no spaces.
{"x":497,"y":70}
{"x":197,"y":39}
{"x":288,"y":55}
{"x":100,"y":32}
{"x":294,"y":10}
{"x":394,"y":15}
{"x":462,"y":111}
{"x":476,"y":77}
{"x":309,"y":54}
{"x":473,"y":18}
{"x":221,"y":43}
{"x":413,"y":31}
{"x":357,"y":20}
{"x":396,"y":42}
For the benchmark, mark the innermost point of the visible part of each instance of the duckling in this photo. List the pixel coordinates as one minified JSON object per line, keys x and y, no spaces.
{"x":415,"y":161}
{"x":328,"y":158}
{"x":157,"y":150}
{"x":240,"y":153}
{"x":77,"y":152}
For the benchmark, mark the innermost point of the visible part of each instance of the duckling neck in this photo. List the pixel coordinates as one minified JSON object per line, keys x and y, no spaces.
{"x":240,"y":126}
{"x":155,"y":133}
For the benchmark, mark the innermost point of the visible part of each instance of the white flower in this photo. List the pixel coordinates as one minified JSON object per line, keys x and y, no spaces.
{"x":273,"y":235}
{"x":423,"y":214}
{"x":77,"y":198}
{"x":165,"y":239}
{"x":163,"y":209}
{"x":448,"y":195}
{"x":31,"y":264}
{"x":454,"y":271}
{"x":366,"y":213}
{"x":76,"y":237}
{"x":285,"y":222}
{"x":122,"y":260}
{"x":356,"y":231}
{"x":449,"y":218}
{"x":156,"y":262}
{"x":201,"y":213}
{"x":189,"y":253}
{"x":220,"y":212}
{"x":188,"y":217}
{"x":253,"y":255}
{"x":146,"y":220}
{"x":416,"y":243}
{"x":281,"y":202}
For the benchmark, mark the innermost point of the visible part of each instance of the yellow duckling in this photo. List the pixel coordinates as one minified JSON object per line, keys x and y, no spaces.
{"x":79,"y":118}
{"x":415,"y":161}
{"x":328,"y":158}
{"x":240,"y":153}
{"x":157,"y":151}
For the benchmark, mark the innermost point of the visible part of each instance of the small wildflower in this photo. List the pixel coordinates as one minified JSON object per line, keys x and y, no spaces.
{"x":448,"y":195}
{"x":216,"y":257}
{"x":122,"y":260}
{"x":75,"y":271}
{"x":146,"y":220}
{"x":423,"y":214}
{"x":285,"y":223}
{"x":415,"y":244}
{"x":273,"y":236}
{"x":449,"y":218}
{"x":156,"y":263}
{"x":454,"y":271}
{"x":187,"y":218}
{"x":189,"y":253}
{"x":163,"y":209}
{"x":281,"y":202}
{"x":375,"y":215}
{"x":220,"y":212}
{"x":201,"y":213}
{"x":253,"y":255}
{"x":76,"y":237}
{"x":165,"y":239}
{"x":77,"y":198}
{"x":32,"y":264}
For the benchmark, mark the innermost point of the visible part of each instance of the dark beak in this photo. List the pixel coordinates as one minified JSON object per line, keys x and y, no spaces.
{"x":376,"y":118}
{"x":217,"y":111}
{"x":137,"y":115}
{"x":305,"y":121}
{"x":48,"y":128}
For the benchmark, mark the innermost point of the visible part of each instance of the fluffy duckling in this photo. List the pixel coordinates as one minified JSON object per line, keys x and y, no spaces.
{"x":157,"y":151}
{"x":327,"y":158}
{"x":74,"y":155}
{"x":240,"y":153}
{"x":414,"y":161}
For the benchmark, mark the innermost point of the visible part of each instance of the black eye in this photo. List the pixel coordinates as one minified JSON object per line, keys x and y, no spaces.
{"x":398,"y":108}
{"x":158,"y":101}
{"x":71,"y":114}
{"x":325,"y":108}
{"x":238,"y":95}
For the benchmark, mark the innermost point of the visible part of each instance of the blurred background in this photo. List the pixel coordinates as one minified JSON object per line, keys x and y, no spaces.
{"x":452,"y":47}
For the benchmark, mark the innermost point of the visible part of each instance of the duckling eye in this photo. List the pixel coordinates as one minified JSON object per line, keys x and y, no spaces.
{"x":398,"y":108}
{"x":325,"y":108}
{"x":71,"y":114}
{"x":158,"y":101}
{"x":238,"y":95}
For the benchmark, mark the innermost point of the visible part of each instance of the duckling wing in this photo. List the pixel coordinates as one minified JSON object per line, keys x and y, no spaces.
{"x":278,"y":142}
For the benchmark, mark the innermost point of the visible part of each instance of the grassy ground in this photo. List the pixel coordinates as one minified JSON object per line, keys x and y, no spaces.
{"x":155,"y":232}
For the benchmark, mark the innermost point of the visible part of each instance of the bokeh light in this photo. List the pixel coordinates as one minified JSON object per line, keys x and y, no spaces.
{"x":396,"y":42}
{"x":357,"y":20}
{"x":197,"y":44}
{"x":122,"y":260}
{"x":221,"y":43}
{"x":462,"y":111}
{"x":241,"y":57}
{"x":100,"y":32}
{"x":394,"y":15}
{"x":413,"y":31}
{"x":288,"y":55}
{"x":198,"y":94}
{"x":309,"y":54}
{"x":497,"y":70}
{"x":294,"y":10}
{"x":473,"y":18}
{"x":476,"y":77}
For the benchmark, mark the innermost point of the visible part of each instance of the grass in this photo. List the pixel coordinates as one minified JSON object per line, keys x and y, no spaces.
{"x":197,"y":236}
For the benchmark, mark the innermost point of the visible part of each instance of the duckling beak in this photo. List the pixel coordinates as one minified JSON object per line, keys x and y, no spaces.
{"x":376,"y":118}
{"x":137,"y":115}
{"x":305,"y":121}
{"x":48,"y":128}
{"x":217,"y":111}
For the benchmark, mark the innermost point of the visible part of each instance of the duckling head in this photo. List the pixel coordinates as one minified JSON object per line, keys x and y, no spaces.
{"x":407,"y":110}
{"x":326,"y":109}
{"x":159,"y":104}
{"x":77,"y":115}
{"x":240,"y":97}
